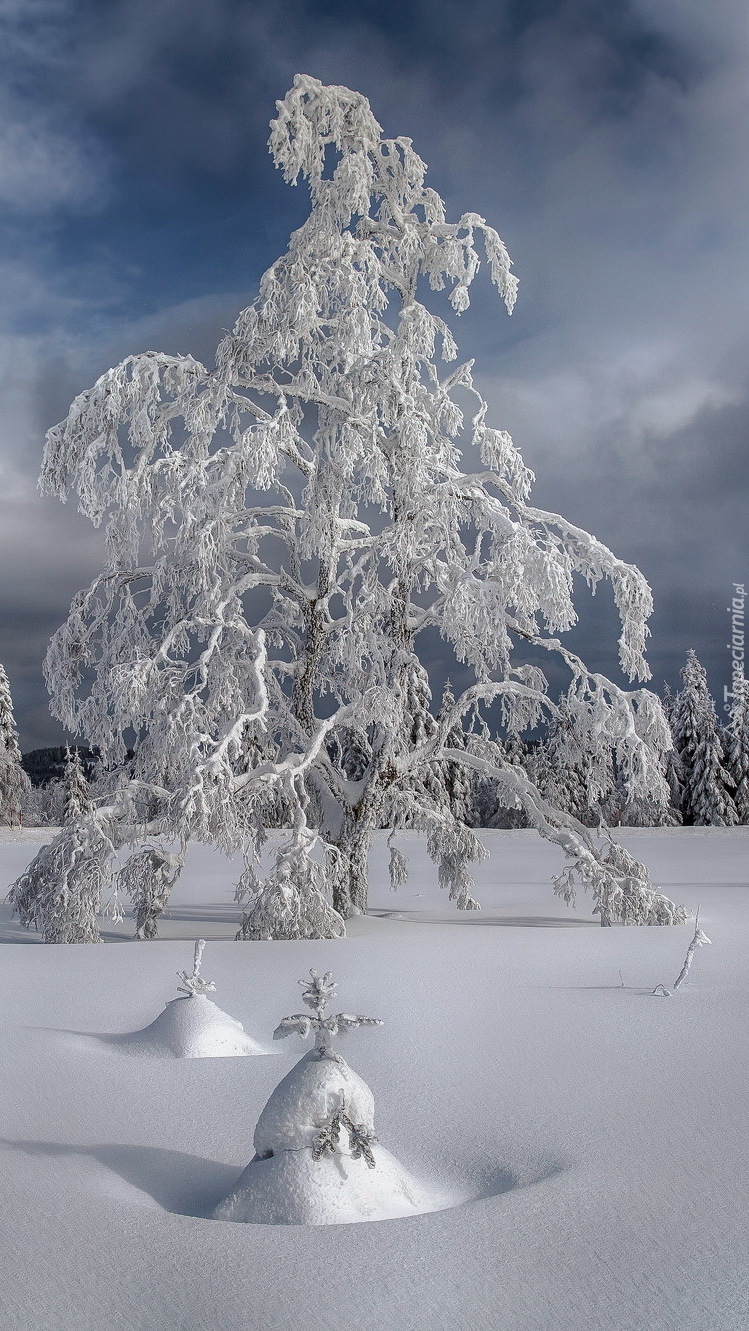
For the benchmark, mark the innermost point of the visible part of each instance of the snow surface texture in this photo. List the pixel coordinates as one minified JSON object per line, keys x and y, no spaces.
{"x":285,"y":1185}
{"x":599,"y":1129}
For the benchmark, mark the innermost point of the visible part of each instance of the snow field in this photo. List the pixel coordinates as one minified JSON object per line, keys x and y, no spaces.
{"x":599,"y":1130}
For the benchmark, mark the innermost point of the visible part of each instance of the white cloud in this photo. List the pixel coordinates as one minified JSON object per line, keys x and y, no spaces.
{"x":43,"y":167}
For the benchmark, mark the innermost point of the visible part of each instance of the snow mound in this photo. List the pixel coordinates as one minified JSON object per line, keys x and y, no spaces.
{"x":190,"y":1027}
{"x":284,"y":1184}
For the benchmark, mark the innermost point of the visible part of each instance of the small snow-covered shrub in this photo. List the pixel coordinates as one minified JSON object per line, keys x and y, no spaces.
{"x":317,"y":1159}
{"x":191,"y":1025}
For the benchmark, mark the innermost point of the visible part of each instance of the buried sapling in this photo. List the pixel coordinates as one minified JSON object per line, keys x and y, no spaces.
{"x":698,"y":940}
{"x":314,"y":1162}
{"x":318,"y":992}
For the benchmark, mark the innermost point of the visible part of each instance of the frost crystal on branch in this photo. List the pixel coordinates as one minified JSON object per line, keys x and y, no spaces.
{"x":284,"y":527}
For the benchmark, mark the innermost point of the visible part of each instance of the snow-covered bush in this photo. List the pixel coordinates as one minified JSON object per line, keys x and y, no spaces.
{"x":319,"y":462}
{"x":67,"y":884}
{"x":43,"y":806}
{"x":191,"y":1025}
{"x":61,"y":892}
{"x":148,"y":876}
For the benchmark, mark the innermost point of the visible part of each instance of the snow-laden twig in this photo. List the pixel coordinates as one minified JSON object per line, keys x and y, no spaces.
{"x":194,"y":985}
{"x":699,"y":940}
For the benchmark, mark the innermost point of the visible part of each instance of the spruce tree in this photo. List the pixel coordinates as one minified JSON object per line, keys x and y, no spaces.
{"x":77,"y":797}
{"x":673,"y":769}
{"x":706,"y":799}
{"x":737,"y":748}
{"x":459,"y":782}
{"x":13,"y":780}
{"x":581,"y":776}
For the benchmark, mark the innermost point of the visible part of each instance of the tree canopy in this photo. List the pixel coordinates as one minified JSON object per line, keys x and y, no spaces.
{"x":283,"y":527}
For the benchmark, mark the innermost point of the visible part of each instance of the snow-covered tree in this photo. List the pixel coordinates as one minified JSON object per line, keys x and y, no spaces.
{"x":283,"y":527}
{"x":459,"y":782}
{"x":13,"y":780}
{"x":673,"y":770}
{"x":77,"y":798}
{"x":66,"y":886}
{"x":318,"y":991}
{"x":668,"y":703}
{"x":148,"y":876}
{"x":568,"y":763}
{"x":587,"y":767}
{"x":706,"y":799}
{"x":737,"y":748}
{"x":61,"y":892}
{"x":42,"y":806}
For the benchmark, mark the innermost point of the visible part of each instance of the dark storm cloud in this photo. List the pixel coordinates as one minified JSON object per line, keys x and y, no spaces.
{"x":608,"y":143}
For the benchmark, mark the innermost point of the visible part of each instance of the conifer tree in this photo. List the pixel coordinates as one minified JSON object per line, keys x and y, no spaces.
{"x":737,"y":749}
{"x":668,"y":703}
{"x":320,"y":461}
{"x":13,"y":780}
{"x":582,"y":766}
{"x":706,"y":799}
{"x":78,"y":801}
{"x":673,"y":770}
{"x":458,"y":781}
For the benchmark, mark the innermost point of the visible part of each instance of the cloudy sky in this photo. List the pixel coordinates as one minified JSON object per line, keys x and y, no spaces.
{"x":608,"y":143}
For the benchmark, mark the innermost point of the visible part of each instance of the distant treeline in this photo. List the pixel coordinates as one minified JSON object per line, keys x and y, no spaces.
{"x":43,"y":765}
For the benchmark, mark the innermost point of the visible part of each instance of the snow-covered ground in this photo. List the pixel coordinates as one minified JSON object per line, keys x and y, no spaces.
{"x":599,"y":1132}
